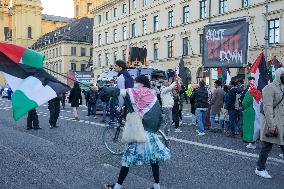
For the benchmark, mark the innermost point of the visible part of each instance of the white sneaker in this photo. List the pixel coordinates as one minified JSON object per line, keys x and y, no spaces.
{"x":178,"y":131}
{"x":180,"y":123}
{"x":281,"y":155}
{"x":200,"y":134}
{"x":197,"y":130}
{"x":251,"y":146}
{"x":263,"y":174}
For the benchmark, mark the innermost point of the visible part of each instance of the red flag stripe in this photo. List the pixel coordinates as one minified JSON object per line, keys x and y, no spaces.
{"x":13,"y":52}
{"x":255,"y":65}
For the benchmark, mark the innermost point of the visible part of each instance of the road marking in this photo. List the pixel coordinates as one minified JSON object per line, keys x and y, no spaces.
{"x":84,"y":110}
{"x":93,"y":123}
{"x":87,"y":122}
{"x":68,"y":111}
{"x":81,"y":121}
{"x":223,"y":149}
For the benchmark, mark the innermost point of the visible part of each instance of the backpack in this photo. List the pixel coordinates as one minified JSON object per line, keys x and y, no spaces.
{"x":238,"y":102}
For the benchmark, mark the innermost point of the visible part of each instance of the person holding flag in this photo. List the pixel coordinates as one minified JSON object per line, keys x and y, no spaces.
{"x":251,"y":117}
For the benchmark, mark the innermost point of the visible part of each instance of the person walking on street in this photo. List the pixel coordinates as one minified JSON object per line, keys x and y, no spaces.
{"x":75,"y":99}
{"x":217,"y":103}
{"x":168,"y":103}
{"x":105,"y":102}
{"x":32,"y":120}
{"x":63,"y":98}
{"x":54,"y":110}
{"x":143,"y":101}
{"x":200,"y":99}
{"x":176,"y":110}
{"x":91,"y":97}
{"x":230,"y":100}
{"x":272,"y":130}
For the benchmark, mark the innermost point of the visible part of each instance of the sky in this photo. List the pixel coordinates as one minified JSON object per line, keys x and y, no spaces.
{"x":62,"y":8}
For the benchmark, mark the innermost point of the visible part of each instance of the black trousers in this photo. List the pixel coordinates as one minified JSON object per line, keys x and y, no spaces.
{"x":263,"y":155}
{"x":32,"y":120}
{"x":54,"y":110}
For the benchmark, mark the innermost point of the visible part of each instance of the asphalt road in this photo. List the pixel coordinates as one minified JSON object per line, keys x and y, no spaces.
{"x":72,"y":156}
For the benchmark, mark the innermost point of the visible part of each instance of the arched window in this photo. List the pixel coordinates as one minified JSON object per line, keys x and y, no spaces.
{"x":30,"y":32}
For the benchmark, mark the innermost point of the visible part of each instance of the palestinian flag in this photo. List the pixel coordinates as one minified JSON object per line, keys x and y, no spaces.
{"x":274,"y":64}
{"x":260,"y":72}
{"x":24,"y":73}
{"x":224,"y":75}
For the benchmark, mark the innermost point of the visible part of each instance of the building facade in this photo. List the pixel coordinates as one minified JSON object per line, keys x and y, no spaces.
{"x":68,"y":48}
{"x":23,"y":23}
{"x":82,"y":8}
{"x":170,"y":29}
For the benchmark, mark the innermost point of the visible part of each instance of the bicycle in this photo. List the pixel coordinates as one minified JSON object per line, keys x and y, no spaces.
{"x":112,"y":136}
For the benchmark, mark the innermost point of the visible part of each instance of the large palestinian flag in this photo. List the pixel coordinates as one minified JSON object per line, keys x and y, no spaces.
{"x":24,"y":73}
{"x":252,"y":117}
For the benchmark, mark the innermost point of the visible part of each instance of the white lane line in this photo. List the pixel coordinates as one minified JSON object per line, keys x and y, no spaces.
{"x":41,"y":139}
{"x":81,"y":121}
{"x":84,"y":110}
{"x":68,"y":111}
{"x":93,"y":123}
{"x":223,"y":149}
{"x":87,"y":122}
{"x":42,"y":169}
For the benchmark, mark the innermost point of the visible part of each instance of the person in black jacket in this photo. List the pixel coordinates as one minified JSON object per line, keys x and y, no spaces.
{"x":75,"y":99}
{"x":32,"y":120}
{"x":54,"y":110}
{"x":230,"y":100}
{"x":91,"y":98}
{"x":200,"y":99}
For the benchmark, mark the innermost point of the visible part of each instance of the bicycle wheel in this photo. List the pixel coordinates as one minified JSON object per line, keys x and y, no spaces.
{"x":163,"y":138}
{"x":112,"y":140}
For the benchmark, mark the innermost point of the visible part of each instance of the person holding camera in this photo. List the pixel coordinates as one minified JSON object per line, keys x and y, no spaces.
{"x":272,"y":130}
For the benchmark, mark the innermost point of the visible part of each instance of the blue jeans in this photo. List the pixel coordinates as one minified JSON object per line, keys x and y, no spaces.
{"x":105,"y":108}
{"x":92,"y":108}
{"x":233,"y":120}
{"x":200,"y":117}
{"x":212,"y":121}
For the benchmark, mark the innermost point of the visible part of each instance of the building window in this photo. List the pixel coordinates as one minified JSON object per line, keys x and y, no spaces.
{"x":73,"y":51}
{"x":73,"y":66}
{"x":124,"y":7}
{"x":30,"y":32}
{"x":156,"y":23}
{"x":107,"y":59}
{"x":201,"y":43}
{"x":107,"y":16}
{"x":83,"y":51}
{"x":89,"y":5}
{"x":144,"y":26}
{"x":100,"y":18}
{"x":203,"y":9}
{"x":170,"y":17}
{"x":114,"y":56}
{"x":134,"y":4}
{"x":185,"y":14}
{"x":115,"y":12}
{"x":223,"y":6}
{"x":59,"y":67}
{"x":124,"y":33}
{"x":99,"y":39}
{"x":145,"y":3}
{"x":133,"y":30}
{"x":115,"y":37}
{"x":60,"y":51}
{"x":246,"y":3}
{"x":156,"y":48}
{"x":124,"y":55}
{"x":107,"y":38}
{"x":6,"y":33}
{"x":53,"y":53}
{"x":83,"y":67}
{"x":56,"y":52}
{"x":273,"y":31}
{"x":91,"y":51}
{"x":99,"y":60}
{"x":185,"y":46}
{"x":170,"y":49}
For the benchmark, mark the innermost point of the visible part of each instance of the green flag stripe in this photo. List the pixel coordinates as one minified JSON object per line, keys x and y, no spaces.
{"x":21,"y":104}
{"x":33,"y":58}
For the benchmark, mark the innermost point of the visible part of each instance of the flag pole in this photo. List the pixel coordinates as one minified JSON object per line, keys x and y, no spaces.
{"x":266,"y":31}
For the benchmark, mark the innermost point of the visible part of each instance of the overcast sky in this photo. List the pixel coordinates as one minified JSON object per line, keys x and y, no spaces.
{"x":58,"y":7}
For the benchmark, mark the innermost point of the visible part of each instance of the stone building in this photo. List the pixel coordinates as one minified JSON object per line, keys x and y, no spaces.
{"x":68,"y":48}
{"x":172,"y":28}
{"x":82,"y":8}
{"x":22,"y":22}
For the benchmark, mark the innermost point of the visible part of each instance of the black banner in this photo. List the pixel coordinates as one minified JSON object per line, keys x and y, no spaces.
{"x":225,"y":44}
